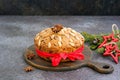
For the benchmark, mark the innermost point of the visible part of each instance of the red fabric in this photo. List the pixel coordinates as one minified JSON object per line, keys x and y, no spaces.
{"x":56,"y":57}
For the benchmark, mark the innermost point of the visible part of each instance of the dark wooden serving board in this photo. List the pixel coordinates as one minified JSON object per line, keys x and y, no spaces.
{"x":87,"y":62}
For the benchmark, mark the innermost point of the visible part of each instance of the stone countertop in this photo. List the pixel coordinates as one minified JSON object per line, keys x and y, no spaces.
{"x":17,"y":33}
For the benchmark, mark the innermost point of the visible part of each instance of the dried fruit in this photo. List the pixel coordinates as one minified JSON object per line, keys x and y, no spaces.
{"x":57,"y":28}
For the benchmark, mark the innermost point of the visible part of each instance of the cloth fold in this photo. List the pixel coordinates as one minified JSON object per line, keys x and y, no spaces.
{"x":57,"y":57}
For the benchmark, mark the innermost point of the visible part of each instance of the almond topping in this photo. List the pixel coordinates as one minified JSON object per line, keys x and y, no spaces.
{"x":82,"y":37}
{"x":62,"y":32}
{"x":71,"y":40}
{"x":67,"y":35}
{"x":77,"y":38}
{"x":37,"y":37}
{"x":59,"y":43}
{"x":72,"y":44}
{"x":49,"y":45}
{"x":72,"y":34}
{"x":52,"y":37}
{"x":39,"y":42}
{"x":73,"y":31}
{"x":69,"y":29}
{"x":60,"y":39}
{"x":37,"y":34}
{"x":65,"y":29}
{"x":80,"y":42}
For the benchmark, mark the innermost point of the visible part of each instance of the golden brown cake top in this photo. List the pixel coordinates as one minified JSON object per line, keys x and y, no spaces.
{"x":58,"y":39}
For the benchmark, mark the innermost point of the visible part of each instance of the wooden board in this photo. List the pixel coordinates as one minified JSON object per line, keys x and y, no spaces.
{"x":87,"y":62}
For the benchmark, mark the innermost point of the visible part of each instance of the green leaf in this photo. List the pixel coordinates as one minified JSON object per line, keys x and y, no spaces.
{"x":93,"y":47}
{"x":100,"y":50}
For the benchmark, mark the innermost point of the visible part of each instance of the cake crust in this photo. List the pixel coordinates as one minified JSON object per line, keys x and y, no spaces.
{"x":65,"y":40}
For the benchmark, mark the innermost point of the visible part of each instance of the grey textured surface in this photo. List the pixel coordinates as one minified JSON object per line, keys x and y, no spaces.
{"x":17,"y":33}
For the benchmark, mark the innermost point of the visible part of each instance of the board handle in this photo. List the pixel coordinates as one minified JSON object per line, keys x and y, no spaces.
{"x":101,"y":67}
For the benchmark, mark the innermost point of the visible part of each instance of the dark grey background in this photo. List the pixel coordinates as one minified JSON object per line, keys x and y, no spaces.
{"x":59,"y":7}
{"x":17,"y":33}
